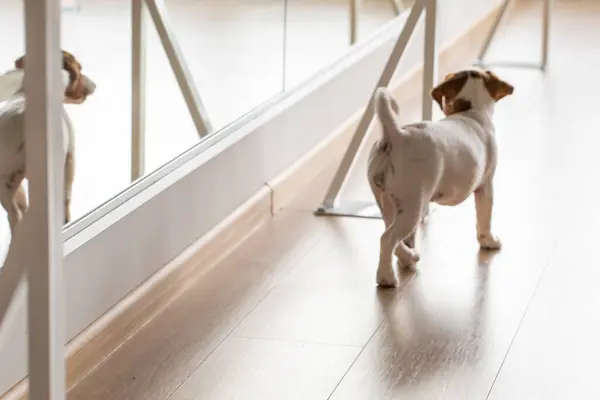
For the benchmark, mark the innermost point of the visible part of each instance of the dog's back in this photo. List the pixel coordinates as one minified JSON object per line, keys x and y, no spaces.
{"x":445,"y":156}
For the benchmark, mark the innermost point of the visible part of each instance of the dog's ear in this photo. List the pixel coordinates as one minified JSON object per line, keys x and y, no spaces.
{"x":496,"y":87}
{"x":448,"y":89}
{"x":76,"y":88}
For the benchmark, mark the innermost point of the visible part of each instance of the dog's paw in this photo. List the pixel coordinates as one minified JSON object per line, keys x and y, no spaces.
{"x":387,"y":283}
{"x":489,"y":242}
{"x":386,"y":279}
{"x":407,"y":258}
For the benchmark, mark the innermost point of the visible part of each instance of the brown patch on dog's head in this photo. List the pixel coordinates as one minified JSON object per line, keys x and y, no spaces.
{"x":79,"y":86}
{"x":456,"y":106}
{"x":449,"y":88}
{"x":446,"y":93}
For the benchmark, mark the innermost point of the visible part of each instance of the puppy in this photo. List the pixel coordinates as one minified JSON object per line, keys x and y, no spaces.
{"x":442,"y":162}
{"x":77,"y":87}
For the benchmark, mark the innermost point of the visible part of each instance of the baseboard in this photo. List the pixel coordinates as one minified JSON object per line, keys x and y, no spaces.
{"x":90,"y":348}
{"x":460,"y":53}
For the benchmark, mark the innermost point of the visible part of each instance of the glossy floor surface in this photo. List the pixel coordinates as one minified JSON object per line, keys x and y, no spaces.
{"x":294,"y":312}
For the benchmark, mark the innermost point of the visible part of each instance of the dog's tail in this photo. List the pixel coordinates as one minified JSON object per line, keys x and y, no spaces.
{"x":387,"y":110}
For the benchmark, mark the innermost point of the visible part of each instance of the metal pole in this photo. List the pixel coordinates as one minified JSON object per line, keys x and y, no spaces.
{"x":546,"y":32}
{"x":138,"y":86}
{"x":182,"y":74}
{"x":388,"y":72}
{"x":429,"y":59}
{"x":45,"y":167}
{"x":354,"y":14}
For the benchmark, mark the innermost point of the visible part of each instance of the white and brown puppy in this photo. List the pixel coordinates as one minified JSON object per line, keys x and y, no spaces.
{"x":12,"y":139}
{"x":442,"y":161}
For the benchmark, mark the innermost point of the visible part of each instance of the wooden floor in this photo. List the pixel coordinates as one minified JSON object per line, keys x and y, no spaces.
{"x":294,"y":312}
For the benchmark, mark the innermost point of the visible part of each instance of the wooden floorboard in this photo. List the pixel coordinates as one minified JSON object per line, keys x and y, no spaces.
{"x":294,"y":312}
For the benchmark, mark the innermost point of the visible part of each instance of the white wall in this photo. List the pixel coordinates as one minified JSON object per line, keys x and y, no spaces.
{"x":102,"y":268}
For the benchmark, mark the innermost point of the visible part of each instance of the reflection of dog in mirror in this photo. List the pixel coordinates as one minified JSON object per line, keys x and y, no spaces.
{"x":443,"y":162}
{"x":12,"y":140}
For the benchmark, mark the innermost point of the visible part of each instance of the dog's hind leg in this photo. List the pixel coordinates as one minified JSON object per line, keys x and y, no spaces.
{"x":410,"y":240}
{"x":387,"y":208}
{"x":11,"y":197}
{"x":407,"y":215}
{"x":383,"y":203}
{"x":388,"y":213}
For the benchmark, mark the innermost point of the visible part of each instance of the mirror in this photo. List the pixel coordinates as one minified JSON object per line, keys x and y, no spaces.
{"x":231,"y":52}
{"x":221,"y":59}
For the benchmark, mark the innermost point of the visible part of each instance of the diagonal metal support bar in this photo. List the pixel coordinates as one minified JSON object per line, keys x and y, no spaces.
{"x":546,"y":17}
{"x":369,"y":209}
{"x":163,"y":25}
{"x":196,"y":108}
